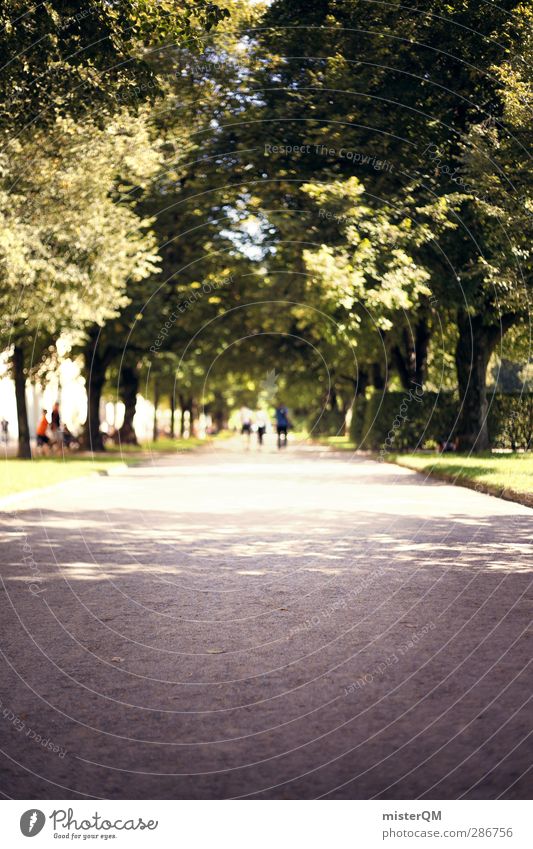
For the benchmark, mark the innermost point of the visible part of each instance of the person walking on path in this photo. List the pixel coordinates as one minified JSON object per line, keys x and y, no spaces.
{"x":261,"y":423}
{"x":5,"y":431}
{"x":55,"y":425}
{"x":42,"y":431}
{"x":246,"y":422}
{"x":282,"y":424}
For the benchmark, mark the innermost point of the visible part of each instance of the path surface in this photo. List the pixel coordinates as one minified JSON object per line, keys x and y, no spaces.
{"x":266,"y":625}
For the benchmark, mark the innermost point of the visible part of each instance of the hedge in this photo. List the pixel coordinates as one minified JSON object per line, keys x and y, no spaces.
{"x":398,"y":421}
{"x":402,"y":421}
{"x":510,"y":421}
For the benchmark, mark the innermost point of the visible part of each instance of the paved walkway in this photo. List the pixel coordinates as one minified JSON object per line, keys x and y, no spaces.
{"x":286,"y":625}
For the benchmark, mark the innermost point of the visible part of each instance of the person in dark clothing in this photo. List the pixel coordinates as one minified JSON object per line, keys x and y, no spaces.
{"x":282,"y":424}
{"x":261,"y":424}
{"x":69,"y":440}
{"x":55,"y":425}
{"x":447,"y":446}
{"x":55,"y":417}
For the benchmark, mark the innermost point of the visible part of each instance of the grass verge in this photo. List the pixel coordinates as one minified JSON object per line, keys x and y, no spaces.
{"x":160,"y":446}
{"x":505,"y":475}
{"x":20,"y":475}
{"x":338,"y":443}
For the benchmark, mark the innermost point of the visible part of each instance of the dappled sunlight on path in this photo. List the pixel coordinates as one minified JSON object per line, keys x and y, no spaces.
{"x":284,"y":623}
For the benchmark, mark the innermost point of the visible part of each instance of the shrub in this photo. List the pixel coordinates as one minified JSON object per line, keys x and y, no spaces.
{"x":403,"y":421}
{"x":510,"y":420}
{"x":400,"y":421}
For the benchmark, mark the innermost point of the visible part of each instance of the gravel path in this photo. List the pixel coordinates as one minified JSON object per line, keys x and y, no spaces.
{"x":270,"y":625}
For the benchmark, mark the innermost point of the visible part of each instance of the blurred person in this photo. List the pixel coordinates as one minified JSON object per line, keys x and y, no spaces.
{"x":282,"y":424}
{"x":42,"y":431}
{"x":5,"y":431}
{"x":72,"y":442}
{"x":261,"y":423}
{"x":447,"y":446}
{"x":55,"y":418}
{"x":55,"y":425}
{"x":246,"y":422}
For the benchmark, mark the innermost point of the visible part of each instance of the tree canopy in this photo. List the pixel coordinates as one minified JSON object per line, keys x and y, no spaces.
{"x":335,"y":192}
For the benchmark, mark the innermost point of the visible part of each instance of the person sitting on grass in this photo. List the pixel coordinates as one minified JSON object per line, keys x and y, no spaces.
{"x":42,"y":432}
{"x":447,"y":446}
{"x":69,"y":440}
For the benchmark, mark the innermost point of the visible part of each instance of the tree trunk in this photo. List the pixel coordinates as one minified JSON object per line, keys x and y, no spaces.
{"x":472,"y":354}
{"x":193,"y":416}
{"x":332,"y":398}
{"x":378,"y":381}
{"x":187,"y":406}
{"x":345,"y":408}
{"x":172,"y":400}
{"x":156,"y":405}
{"x":95,"y":372}
{"x":19,"y":376}
{"x":129,"y":387}
{"x":360,"y":383}
{"x":411,"y":359}
{"x":422,"y":340}
{"x":182,"y":416}
{"x":219,"y":412}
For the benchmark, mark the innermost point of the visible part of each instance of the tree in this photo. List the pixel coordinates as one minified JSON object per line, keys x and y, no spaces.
{"x":396,"y":99}
{"x":162,"y":311}
{"x":497,"y":184}
{"x":56,"y":57}
{"x":68,"y":245}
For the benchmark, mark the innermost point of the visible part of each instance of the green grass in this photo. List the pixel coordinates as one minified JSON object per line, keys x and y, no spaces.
{"x":19,"y":475}
{"x":160,"y":446}
{"x":497,"y":471}
{"x":512,"y":472}
{"x":338,"y":443}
